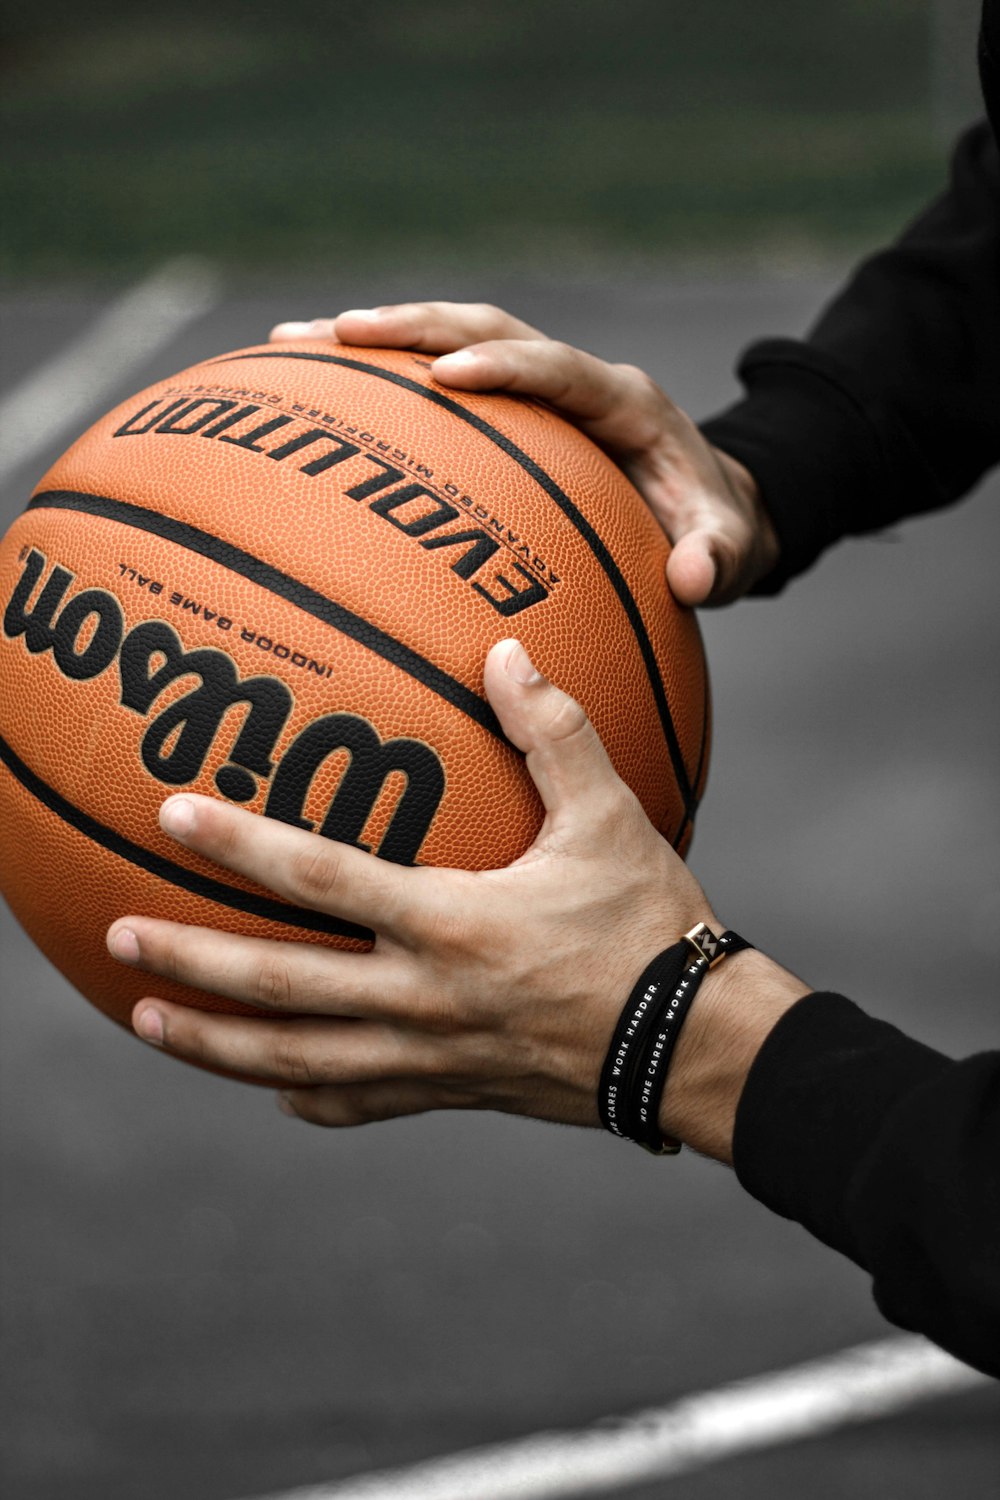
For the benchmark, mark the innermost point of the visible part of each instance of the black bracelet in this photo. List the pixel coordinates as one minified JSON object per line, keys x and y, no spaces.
{"x":635,"y":1068}
{"x":624,"y":1057}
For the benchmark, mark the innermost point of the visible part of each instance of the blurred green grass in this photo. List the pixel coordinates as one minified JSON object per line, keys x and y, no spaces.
{"x":526,"y":133}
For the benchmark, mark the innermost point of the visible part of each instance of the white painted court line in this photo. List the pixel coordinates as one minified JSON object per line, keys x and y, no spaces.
{"x":56,"y":400}
{"x":855,"y":1385}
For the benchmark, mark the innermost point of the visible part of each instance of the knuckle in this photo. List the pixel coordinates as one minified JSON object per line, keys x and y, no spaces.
{"x":558,"y":349}
{"x":427,"y":1062}
{"x":642,"y":387}
{"x":489,"y":313}
{"x":164,"y":955}
{"x":291,"y":1059}
{"x":176,"y":964}
{"x":569,"y":370}
{"x":636,"y":376}
{"x":186,"y":1034}
{"x":272,"y":984}
{"x":440,"y":311}
{"x":571,"y":365}
{"x":223,"y":832}
{"x":444,"y":1017}
{"x":315,"y":869}
{"x":729,"y":551}
{"x":566,"y":720}
{"x":445,"y":930}
{"x":452,"y":929}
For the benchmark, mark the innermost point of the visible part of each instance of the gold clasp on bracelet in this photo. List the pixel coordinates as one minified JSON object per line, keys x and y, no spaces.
{"x":667,"y":1147}
{"x":705,"y":944}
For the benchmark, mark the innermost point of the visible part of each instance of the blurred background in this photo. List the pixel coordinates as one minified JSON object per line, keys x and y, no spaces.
{"x":561,"y":135}
{"x":201,"y":1299}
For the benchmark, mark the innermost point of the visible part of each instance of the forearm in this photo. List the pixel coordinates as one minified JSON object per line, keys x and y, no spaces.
{"x":888,"y":407}
{"x":878,"y":1145}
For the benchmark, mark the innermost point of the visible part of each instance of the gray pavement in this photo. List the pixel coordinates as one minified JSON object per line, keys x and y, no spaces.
{"x":202,"y":1299}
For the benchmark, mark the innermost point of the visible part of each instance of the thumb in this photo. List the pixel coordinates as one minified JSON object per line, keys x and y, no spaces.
{"x":708,"y":567}
{"x":691,"y":568}
{"x":565,"y":757}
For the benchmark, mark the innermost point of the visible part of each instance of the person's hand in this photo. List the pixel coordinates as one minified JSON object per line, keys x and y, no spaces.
{"x":495,"y":990}
{"x":708,"y":503}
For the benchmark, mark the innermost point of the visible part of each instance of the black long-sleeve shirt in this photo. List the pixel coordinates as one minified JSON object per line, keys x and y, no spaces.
{"x":884,"y":1148}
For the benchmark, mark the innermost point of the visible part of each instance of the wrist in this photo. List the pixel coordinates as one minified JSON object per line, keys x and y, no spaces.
{"x":738,"y":1004}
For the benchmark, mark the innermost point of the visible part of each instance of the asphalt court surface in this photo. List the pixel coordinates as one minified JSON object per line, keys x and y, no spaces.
{"x":204,"y":1299}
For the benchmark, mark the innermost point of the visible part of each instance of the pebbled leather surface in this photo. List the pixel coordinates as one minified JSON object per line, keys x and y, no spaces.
{"x":419,"y":474}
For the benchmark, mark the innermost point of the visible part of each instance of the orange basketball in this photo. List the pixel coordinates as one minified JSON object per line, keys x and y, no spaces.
{"x":274,"y":578}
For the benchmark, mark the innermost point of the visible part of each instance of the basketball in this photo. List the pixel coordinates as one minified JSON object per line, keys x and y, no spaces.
{"x":274,"y":578}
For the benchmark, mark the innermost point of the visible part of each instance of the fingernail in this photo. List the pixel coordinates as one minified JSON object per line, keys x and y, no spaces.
{"x":293,"y":330}
{"x":520,"y":666}
{"x":367,"y":314}
{"x":177,"y":816}
{"x":286,"y":1106}
{"x":150,"y":1027}
{"x":125,"y":945}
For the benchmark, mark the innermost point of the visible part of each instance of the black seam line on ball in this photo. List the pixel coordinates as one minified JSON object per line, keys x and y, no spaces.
{"x":552,"y":489}
{"x":166,"y":869}
{"x":276,"y":582}
{"x":706,"y":720}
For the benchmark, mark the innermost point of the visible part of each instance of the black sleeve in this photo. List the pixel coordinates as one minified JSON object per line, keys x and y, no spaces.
{"x":890,"y":406}
{"x":889,"y":1152}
